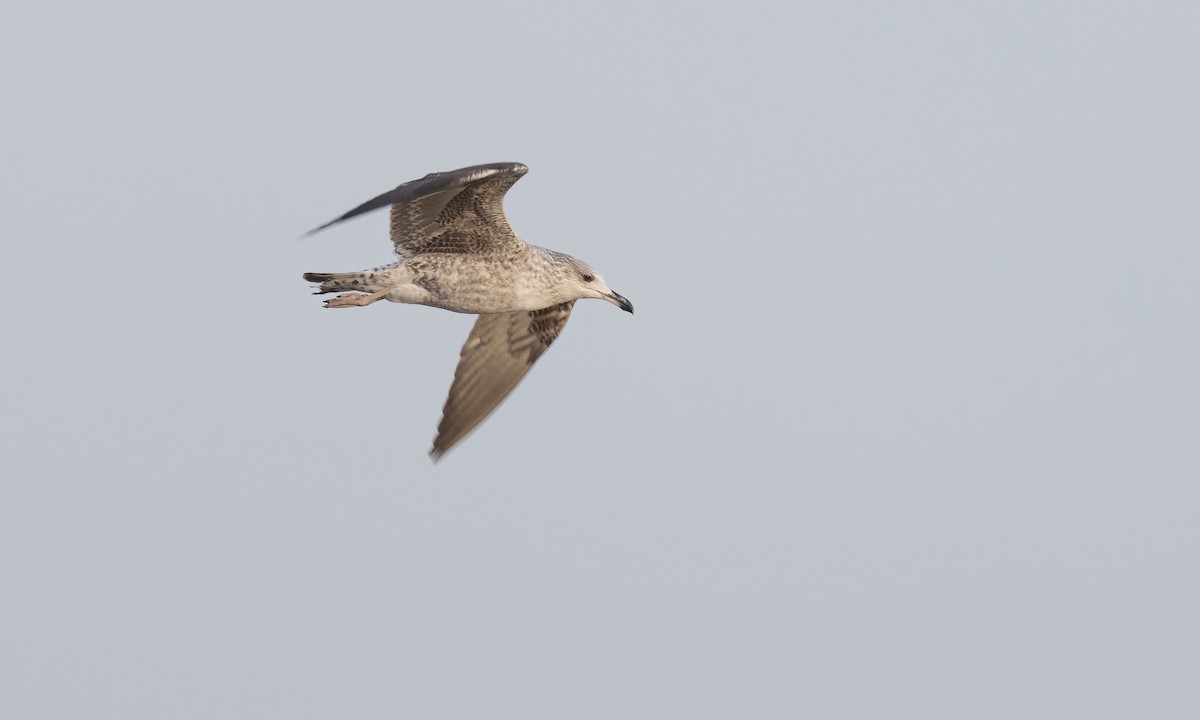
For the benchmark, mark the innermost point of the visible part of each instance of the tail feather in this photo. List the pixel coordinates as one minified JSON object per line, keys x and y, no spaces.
{"x":337,"y":282}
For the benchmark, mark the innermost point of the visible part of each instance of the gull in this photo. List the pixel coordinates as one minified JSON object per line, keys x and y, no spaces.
{"x":458,"y":252}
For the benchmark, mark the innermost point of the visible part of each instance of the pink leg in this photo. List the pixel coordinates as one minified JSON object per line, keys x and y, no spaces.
{"x":355,"y":299}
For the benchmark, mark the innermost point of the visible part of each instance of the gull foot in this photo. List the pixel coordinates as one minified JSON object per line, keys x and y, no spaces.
{"x":355,"y":299}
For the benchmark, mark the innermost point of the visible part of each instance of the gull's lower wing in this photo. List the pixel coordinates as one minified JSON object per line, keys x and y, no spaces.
{"x":498,"y":353}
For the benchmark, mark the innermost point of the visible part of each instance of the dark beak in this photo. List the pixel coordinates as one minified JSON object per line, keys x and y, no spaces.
{"x":620,"y":302}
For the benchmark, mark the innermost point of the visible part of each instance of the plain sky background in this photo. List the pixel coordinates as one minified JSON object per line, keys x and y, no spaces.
{"x":906,"y":424}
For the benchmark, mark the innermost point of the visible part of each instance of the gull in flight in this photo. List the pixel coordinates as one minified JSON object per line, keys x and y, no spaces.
{"x":458,"y":252}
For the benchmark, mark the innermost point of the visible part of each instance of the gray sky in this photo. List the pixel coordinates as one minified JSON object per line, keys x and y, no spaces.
{"x":906,"y":424}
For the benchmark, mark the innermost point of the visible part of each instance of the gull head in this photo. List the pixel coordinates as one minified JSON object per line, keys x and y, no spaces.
{"x":587,"y":283}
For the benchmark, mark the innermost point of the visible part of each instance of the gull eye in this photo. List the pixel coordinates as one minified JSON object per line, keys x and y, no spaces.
{"x":587,"y":278}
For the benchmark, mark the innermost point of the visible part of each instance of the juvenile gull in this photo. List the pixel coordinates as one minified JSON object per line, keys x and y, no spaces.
{"x":458,"y":252}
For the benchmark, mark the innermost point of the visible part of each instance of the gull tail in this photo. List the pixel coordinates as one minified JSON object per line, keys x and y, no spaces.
{"x":338,"y":282}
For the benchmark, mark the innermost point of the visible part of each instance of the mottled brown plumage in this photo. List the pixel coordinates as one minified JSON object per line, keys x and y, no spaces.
{"x":499,"y":351}
{"x":458,"y":252}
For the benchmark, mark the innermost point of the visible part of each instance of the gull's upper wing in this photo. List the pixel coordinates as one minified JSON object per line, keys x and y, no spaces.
{"x":500,"y":350}
{"x":460,"y":211}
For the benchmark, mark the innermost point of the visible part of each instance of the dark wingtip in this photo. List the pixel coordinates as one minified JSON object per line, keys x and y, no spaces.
{"x":318,"y":229}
